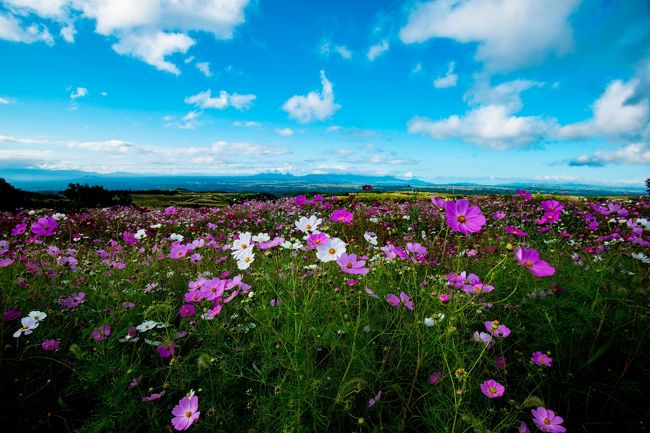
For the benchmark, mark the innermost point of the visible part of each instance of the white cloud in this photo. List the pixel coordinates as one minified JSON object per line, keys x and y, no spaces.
{"x":635,"y":153}
{"x":152,"y":48}
{"x":416,"y":69}
{"x":204,"y":67}
{"x":118,"y":146}
{"x":449,"y":80}
{"x":492,"y":121}
{"x":620,"y":110}
{"x":224,"y":100}
{"x":377,"y":50}
{"x":68,"y":33}
{"x":313,"y":106}
{"x":77,"y":93}
{"x":223,"y":147}
{"x":509,"y":33}
{"x":189,"y":121}
{"x":11,"y":29}
{"x":146,"y":29}
{"x":493,"y":126}
{"x":6,"y":101}
{"x":285,"y":132}
{"x":17,"y":140}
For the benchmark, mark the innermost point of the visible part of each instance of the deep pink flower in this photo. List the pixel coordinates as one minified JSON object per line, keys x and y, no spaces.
{"x":406,"y":300}
{"x":444,"y":298}
{"x":500,"y":362}
{"x":187,"y":310}
{"x":154,"y":396}
{"x":129,"y":238}
{"x":50,"y":344}
{"x":499,"y":215}
{"x":317,"y":239}
{"x":542,"y":359}
{"x":529,"y":258}
{"x":19,"y":230}
{"x":10,"y":315}
{"x":492,"y":388}
{"x":515,"y":231}
{"x":350,"y":265}
{"x":551,"y":206}
{"x":44,"y":226}
{"x":101,"y":333}
{"x":165,"y":350}
{"x":547,"y":421}
{"x":435,"y":377}
{"x":300,"y":200}
{"x":185,"y":412}
{"x":463,"y":218}
{"x":342,"y":216}
{"x":438,"y":202}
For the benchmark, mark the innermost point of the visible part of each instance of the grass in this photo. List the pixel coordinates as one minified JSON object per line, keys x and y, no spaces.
{"x":308,"y":347}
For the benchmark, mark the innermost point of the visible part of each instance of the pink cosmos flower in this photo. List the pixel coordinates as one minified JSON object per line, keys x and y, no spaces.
{"x":529,"y":258}
{"x":542,"y":359}
{"x":10,"y":315}
{"x":406,"y":300}
{"x":492,"y":388}
{"x":154,"y":396}
{"x":19,"y":230}
{"x":350,"y":265}
{"x":317,"y":239}
{"x":499,"y":215}
{"x":547,"y":421}
{"x":463,"y":218}
{"x":50,"y":344}
{"x":438,"y":202}
{"x":342,"y":216}
{"x":374,"y":400}
{"x":444,"y":298}
{"x":44,"y":226}
{"x":523,"y":428}
{"x":393,"y":300}
{"x":185,"y":412}
{"x":500,"y":362}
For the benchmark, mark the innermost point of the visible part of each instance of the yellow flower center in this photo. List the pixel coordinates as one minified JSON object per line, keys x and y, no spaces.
{"x":492,"y":390}
{"x":332,"y":251}
{"x":528,"y":263}
{"x":188,"y":414}
{"x":244,"y":246}
{"x":308,"y":226}
{"x":461,"y":219}
{"x":349,"y":265}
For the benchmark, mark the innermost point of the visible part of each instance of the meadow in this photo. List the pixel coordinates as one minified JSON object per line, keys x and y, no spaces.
{"x":489,"y":313}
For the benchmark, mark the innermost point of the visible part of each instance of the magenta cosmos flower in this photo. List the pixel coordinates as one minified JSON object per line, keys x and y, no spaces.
{"x":542,"y":359}
{"x":50,"y":344}
{"x":185,"y":412}
{"x":342,"y":216}
{"x":187,"y":310}
{"x":547,"y":421}
{"x":44,"y":226}
{"x":492,"y":389}
{"x":529,"y":259}
{"x":463,"y":218}
{"x":350,"y":265}
{"x":101,"y":333}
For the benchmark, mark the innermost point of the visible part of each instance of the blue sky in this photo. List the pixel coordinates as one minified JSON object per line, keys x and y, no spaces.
{"x":478,"y":90}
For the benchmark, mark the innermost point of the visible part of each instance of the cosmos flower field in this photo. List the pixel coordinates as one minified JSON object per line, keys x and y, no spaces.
{"x":329,"y":314}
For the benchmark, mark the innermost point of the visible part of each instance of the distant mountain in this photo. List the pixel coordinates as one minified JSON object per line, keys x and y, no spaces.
{"x":277,"y":183}
{"x":56,"y":180}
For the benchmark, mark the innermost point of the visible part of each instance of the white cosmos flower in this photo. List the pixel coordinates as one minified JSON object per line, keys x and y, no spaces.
{"x":245,"y":241}
{"x":331,"y":250}
{"x":642,"y":257}
{"x":37,"y":315}
{"x":307,"y":225}
{"x":140,"y":234}
{"x":261,"y":237}
{"x":59,"y":216}
{"x":176,"y":237}
{"x":148,"y":325}
{"x":155,"y":226}
{"x":245,"y":260}
{"x":371,"y":237}
{"x":29,"y":324}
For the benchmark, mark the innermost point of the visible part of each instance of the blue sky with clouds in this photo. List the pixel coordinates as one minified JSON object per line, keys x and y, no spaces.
{"x":444,"y":90}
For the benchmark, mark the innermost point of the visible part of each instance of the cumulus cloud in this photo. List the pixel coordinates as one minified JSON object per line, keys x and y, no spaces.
{"x":149,"y":30}
{"x":224,"y":100}
{"x":313,"y":106}
{"x":152,"y":48}
{"x":118,"y":146}
{"x":622,"y":109}
{"x":377,"y":50}
{"x":204,"y":67}
{"x":13,"y":30}
{"x":509,"y":33}
{"x":449,"y":80}
{"x":635,"y":153}
{"x":492,"y":120}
